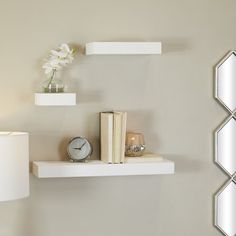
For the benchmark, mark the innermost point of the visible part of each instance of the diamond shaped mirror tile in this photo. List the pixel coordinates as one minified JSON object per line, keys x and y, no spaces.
{"x":226,"y":81}
{"x":226,"y":209}
{"x":225,"y":155}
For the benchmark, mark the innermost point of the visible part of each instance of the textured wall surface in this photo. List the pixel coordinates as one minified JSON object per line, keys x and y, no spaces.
{"x":168,"y":97}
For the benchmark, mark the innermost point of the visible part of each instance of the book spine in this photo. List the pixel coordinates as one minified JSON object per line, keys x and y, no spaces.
{"x":106,"y":137}
{"x":123,"y":136}
{"x":112,"y":136}
{"x":117,"y":137}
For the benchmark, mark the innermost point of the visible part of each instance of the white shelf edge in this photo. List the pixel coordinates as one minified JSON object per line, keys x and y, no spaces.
{"x":55,"y":99}
{"x":60,"y":169}
{"x":123,"y":48}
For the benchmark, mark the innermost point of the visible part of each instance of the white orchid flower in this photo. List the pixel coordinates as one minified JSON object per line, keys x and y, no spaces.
{"x":59,"y":54}
{"x":59,"y":58}
{"x":64,"y":47}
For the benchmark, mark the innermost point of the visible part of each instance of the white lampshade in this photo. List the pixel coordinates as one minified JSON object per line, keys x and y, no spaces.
{"x":14,"y":165}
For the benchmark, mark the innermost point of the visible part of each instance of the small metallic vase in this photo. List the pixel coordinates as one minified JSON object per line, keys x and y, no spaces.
{"x":134,"y":145}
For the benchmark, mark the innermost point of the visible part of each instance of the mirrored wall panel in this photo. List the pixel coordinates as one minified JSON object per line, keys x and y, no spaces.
{"x":225,"y":145}
{"x":226,"y":81}
{"x":226,"y":209}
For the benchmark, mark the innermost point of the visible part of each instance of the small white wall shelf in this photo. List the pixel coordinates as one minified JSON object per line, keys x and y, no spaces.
{"x":57,"y":169}
{"x":55,"y":99}
{"x":123,"y":48}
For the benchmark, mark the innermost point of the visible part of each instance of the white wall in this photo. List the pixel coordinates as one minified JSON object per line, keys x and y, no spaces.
{"x":168,"y":97}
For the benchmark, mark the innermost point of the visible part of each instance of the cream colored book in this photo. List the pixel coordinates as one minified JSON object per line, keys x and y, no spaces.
{"x":106,"y":136}
{"x":147,"y":157}
{"x":117,"y":134}
{"x":123,"y":136}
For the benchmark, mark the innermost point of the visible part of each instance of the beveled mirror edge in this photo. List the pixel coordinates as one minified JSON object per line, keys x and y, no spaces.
{"x":218,"y":129}
{"x":232,"y":115}
{"x":225,"y":185}
{"x":216,"y":81}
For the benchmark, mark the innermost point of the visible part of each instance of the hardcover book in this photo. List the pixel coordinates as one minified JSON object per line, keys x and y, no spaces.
{"x":113,"y":133}
{"x":106,"y":137}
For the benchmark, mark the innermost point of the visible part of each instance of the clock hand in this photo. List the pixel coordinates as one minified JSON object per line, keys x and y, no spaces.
{"x":80,"y":147}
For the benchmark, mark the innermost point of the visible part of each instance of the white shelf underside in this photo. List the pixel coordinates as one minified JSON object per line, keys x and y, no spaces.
{"x":123,"y":48}
{"x":58,"y":169}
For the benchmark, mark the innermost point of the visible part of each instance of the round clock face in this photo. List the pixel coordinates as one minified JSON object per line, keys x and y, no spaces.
{"x":79,"y":149}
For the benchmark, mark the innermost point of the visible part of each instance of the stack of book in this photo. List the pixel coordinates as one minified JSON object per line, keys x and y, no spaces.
{"x":112,"y":136}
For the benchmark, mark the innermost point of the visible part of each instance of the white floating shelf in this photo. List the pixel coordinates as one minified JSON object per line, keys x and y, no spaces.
{"x":55,"y":99}
{"x":57,"y":169}
{"x":123,"y":48}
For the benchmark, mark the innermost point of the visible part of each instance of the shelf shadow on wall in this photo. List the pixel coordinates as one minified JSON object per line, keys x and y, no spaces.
{"x":185,"y":165}
{"x":176,"y":45}
{"x":89,"y":96}
{"x":84,"y":95}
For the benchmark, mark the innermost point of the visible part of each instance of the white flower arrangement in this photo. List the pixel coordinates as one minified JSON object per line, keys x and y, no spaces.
{"x":57,"y":59}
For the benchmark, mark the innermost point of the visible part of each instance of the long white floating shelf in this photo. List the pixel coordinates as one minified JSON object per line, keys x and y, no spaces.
{"x":122,"y":48}
{"x":58,"y":169}
{"x":55,"y":99}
